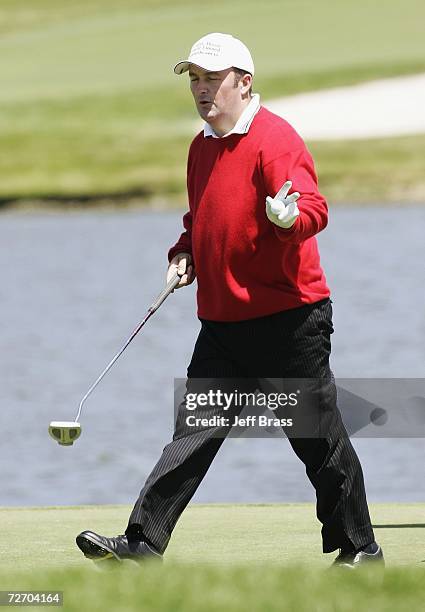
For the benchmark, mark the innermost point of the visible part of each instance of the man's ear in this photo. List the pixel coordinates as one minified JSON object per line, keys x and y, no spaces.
{"x":246,"y":83}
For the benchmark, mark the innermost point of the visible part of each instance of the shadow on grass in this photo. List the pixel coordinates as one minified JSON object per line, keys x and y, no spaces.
{"x":77,"y":199}
{"x":401,"y":526}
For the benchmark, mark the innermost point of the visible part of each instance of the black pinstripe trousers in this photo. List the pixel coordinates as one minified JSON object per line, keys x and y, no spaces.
{"x":289,"y":344}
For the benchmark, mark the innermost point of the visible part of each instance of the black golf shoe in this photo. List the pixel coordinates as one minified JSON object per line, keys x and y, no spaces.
{"x":100,"y":548}
{"x":355,"y":559}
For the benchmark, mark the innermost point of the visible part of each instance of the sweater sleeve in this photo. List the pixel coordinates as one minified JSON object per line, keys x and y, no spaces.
{"x":184,"y":243}
{"x":298,"y":166}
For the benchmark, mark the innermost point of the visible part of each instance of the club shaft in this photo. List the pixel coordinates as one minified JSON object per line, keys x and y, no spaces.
{"x":171,"y":285}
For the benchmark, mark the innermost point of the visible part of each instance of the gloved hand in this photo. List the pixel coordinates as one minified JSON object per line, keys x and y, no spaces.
{"x":282,"y":210}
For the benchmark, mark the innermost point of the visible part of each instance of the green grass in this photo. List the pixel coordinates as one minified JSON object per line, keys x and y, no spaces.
{"x":372,"y":171}
{"x":235,"y":557}
{"x":89,"y":103}
{"x":263,"y":587}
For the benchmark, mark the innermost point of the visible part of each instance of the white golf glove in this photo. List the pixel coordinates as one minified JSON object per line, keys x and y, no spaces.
{"x":282,"y":210}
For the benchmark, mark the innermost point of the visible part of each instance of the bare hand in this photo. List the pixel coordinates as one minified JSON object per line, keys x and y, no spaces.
{"x":182,"y":264}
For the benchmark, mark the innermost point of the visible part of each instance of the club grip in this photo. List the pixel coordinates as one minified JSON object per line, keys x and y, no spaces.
{"x":171,"y":285}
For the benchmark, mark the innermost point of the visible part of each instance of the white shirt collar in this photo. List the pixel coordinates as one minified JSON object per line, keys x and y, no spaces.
{"x":243,"y":124}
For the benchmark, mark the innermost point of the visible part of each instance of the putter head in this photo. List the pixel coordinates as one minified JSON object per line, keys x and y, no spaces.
{"x":65,"y":432}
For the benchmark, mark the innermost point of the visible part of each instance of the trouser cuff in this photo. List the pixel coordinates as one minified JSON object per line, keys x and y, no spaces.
{"x":333,"y":541}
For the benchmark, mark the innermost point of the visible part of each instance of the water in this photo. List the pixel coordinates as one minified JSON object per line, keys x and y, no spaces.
{"x":73,"y":286}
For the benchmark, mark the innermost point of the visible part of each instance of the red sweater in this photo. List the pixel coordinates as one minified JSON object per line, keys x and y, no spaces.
{"x":246,"y":266}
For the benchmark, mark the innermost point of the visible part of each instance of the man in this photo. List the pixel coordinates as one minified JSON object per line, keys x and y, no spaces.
{"x":262,"y":300}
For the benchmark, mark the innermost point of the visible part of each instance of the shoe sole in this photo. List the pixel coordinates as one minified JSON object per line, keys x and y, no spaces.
{"x":95,"y":551}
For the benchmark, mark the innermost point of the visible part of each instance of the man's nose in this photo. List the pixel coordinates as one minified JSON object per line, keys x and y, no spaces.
{"x":201,"y":86}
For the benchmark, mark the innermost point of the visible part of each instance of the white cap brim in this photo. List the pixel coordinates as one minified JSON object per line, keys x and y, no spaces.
{"x":184,"y":66}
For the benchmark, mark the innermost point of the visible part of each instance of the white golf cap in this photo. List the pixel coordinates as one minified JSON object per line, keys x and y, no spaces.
{"x":216,"y":52}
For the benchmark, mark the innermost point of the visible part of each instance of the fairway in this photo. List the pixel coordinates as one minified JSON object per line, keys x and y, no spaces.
{"x":90,"y":106}
{"x":93,"y":46}
{"x":241,"y":557}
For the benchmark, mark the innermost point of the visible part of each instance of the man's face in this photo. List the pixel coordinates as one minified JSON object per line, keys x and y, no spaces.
{"x":215,"y":94}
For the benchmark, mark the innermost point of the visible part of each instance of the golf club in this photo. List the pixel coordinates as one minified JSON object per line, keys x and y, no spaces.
{"x":66,"y":432}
